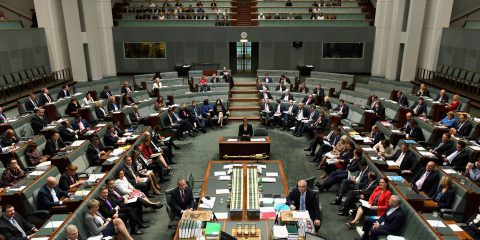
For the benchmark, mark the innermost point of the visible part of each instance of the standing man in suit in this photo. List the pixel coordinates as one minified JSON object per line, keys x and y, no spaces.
{"x":50,"y":195}
{"x":112,"y":105}
{"x":442,"y":97}
{"x":464,"y":127}
{"x":181,"y":199}
{"x":402,"y":99}
{"x":245,"y":129}
{"x":14,"y":226}
{"x":126,"y":88}
{"x":106,"y":93}
{"x":458,"y":159}
{"x":444,"y":146}
{"x":419,"y":108}
{"x":31,"y":102}
{"x":405,"y":159}
{"x":54,"y":145}
{"x":69,"y":178}
{"x":302,"y":198}
{"x":390,"y":223}
{"x":342,"y":109}
{"x":64,"y":93}
{"x":39,"y":121}
{"x":426,"y":179}
{"x":45,"y":97}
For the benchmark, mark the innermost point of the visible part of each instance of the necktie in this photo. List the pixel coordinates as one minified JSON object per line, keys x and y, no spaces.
{"x":48,"y":98}
{"x":439,"y":146}
{"x":14,"y":223}
{"x":34,"y":103}
{"x":302,"y":201}
{"x":420,"y":181}
{"x":460,"y":127}
{"x":182,"y":196}
{"x":116,"y":194}
{"x":56,"y":145}
{"x":109,"y":204}
{"x":416,"y":109}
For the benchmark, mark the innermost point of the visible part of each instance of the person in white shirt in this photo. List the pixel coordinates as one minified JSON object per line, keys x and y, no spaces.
{"x":261,"y":16}
{"x":88,"y":100}
{"x":157,"y":83}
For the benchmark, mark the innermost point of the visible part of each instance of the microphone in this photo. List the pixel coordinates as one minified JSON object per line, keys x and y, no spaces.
{"x":210,"y":208}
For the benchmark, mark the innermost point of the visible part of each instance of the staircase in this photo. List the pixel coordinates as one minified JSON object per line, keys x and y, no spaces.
{"x":243,"y":10}
{"x":244,"y":100}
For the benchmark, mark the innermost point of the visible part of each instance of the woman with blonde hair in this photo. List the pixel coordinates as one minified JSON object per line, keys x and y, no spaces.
{"x":335,"y":153}
{"x":96,"y":224}
{"x":445,"y":194}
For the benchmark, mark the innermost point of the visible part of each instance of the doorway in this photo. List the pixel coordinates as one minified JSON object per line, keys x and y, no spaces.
{"x":244,"y":57}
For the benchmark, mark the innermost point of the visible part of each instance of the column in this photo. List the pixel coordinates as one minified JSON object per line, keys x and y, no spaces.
{"x":382,"y":31}
{"x":393,"y":48}
{"x":437,"y":17}
{"x":413,"y":36}
{"x":105,"y":36}
{"x":90,"y":17}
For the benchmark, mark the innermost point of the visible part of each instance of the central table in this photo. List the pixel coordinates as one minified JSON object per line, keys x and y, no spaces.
{"x":232,"y":146}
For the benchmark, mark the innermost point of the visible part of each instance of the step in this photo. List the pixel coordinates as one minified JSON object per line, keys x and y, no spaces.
{"x":241,"y":104}
{"x":245,"y":84}
{"x":244,"y":91}
{"x":244,"y":108}
{"x":232,"y":99}
{"x":250,"y":118}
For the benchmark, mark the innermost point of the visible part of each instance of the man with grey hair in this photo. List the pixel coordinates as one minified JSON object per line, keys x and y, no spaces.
{"x":72,"y":233}
{"x":390,"y":223}
{"x":303,"y":198}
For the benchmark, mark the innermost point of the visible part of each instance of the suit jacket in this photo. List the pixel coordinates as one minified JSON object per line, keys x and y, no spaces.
{"x":176,"y":202}
{"x":42,"y":100}
{"x":305,"y":99}
{"x":241,"y":130}
{"x":127,"y":101}
{"x":460,"y":161}
{"x":421,"y":110}
{"x":62,"y":94}
{"x":105,"y":94}
{"x":290,"y":97}
{"x":11,"y":232}
{"x":393,"y":223}
{"x":305,"y":112}
{"x":124,"y":89}
{"x":408,"y":162}
{"x":29,"y":105}
{"x":65,"y":181}
{"x":377,"y":137}
{"x":71,"y":107}
{"x":111,"y":108}
{"x":38,"y":123}
{"x":283,"y":88}
{"x":260,"y":87}
{"x":282,"y":108}
{"x":430,"y":184}
{"x":100,"y":114}
{"x":465,"y":129}
{"x":45,"y":199}
{"x":268,"y":79}
{"x":402,"y":100}
{"x":4,"y":141}
{"x":368,"y":188}
{"x":445,"y":148}
{"x":133,"y":117}
{"x":104,"y":209}
{"x":131,"y":179}
{"x":417,"y":134}
{"x":110,"y":140}
{"x":425,"y":93}
{"x":76,"y":126}
{"x":382,"y":202}
{"x":364,"y":179}
{"x":50,"y":147}
{"x":311,"y":202}
{"x":446,"y":200}
{"x":66,"y":134}
{"x":92,"y":155}
{"x":443,"y":99}
{"x":261,"y":95}
{"x":320,"y":94}
{"x":380,"y":112}
{"x":94,"y":227}
{"x":204,"y":88}
{"x":345,"y":110}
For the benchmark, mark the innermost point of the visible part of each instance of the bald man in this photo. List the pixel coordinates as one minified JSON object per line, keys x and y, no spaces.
{"x":50,"y":195}
{"x":390,"y":223}
{"x":302,"y":198}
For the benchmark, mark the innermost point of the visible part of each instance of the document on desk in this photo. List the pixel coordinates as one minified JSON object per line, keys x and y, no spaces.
{"x":475,"y":148}
{"x":257,"y":139}
{"x":301,"y":215}
{"x":231,"y":140}
{"x":365,"y":203}
{"x":225,"y":178}
{"x":421,"y":149}
{"x":450,"y":171}
{"x":221,"y":215}
{"x":219,"y":173}
{"x":93,"y":177}
{"x":17,"y":189}
{"x":269,"y":179}
{"x":271,"y":174}
{"x":222,"y":191}
{"x":36,"y":173}
{"x":43,"y":165}
{"x":436,"y":223}
{"x":368,"y":149}
{"x":39,"y":238}
{"x":455,"y":227}
{"x":427,"y":154}
{"x":392,"y":163}
{"x":228,"y":166}
{"x":331,"y":161}
{"x":116,"y":152}
{"x":82,"y":193}
{"x":279,"y":201}
{"x":132,"y":200}
{"x":280,"y":232}
{"x":208,"y":203}
{"x":53,"y":224}
{"x":266,"y":200}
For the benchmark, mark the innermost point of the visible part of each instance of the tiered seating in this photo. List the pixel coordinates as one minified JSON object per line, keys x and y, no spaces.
{"x":472,"y":24}
{"x":10,"y":24}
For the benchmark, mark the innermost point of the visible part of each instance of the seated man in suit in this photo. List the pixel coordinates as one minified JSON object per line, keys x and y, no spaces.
{"x":415,"y":132}
{"x":464,"y":127}
{"x":111,"y":138}
{"x":106,"y":93}
{"x":319,"y":94}
{"x":267,"y":78}
{"x":302,"y":88}
{"x":442,"y":97}
{"x":112,"y":105}
{"x":31,"y":102}
{"x":473,"y":170}
{"x":408,"y":119}
{"x":112,"y":208}
{"x":245,"y":129}
{"x":126,"y":88}
{"x":301,"y":114}
{"x":326,"y":143}
{"x":288,"y":115}
{"x":419,"y":108}
{"x":278,"y":110}
{"x":351,"y":182}
{"x":372,"y":100}
{"x":94,"y":152}
{"x":308,"y":100}
{"x":64,"y":93}
{"x":379,"y":111}
{"x":423,"y":91}
{"x":67,"y":133}
{"x":264,"y":95}
{"x":8,"y":139}
{"x":404,"y":159}
{"x":45,"y":97}
{"x":135,"y":116}
{"x":302,"y":198}
{"x":444,"y":146}
{"x":14,"y":226}
{"x":342,"y":109}
{"x":181,"y":199}
{"x":355,"y":195}
{"x":50,"y":195}
{"x":267,"y":110}
{"x":262,"y":86}
{"x":338,"y":171}
{"x":309,"y":126}
{"x":286,"y":96}
{"x":281,"y":87}
{"x":69,"y":179}
{"x":196,"y":113}
{"x":375,"y":135}
{"x":133,"y":176}
{"x":402,"y":99}
{"x":175,"y":122}
{"x":80,"y":125}
{"x":72,"y":232}
{"x":390,"y":223}
{"x":458,"y":158}
{"x":54,"y":145}
{"x":39,"y":121}
{"x":426,"y":179}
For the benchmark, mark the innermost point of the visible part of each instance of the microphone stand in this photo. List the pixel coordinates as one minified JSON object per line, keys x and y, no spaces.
{"x":211,"y":209}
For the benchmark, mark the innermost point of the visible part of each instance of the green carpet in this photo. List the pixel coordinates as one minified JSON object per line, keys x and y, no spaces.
{"x":198,"y":150}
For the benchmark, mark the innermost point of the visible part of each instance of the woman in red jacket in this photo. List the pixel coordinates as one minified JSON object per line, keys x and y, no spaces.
{"x":378,"y":203}
{"x":148,"y":150}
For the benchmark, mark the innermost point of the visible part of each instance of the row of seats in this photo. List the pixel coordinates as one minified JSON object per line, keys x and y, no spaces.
{"x":170,"y":22}
{"x":302,"y":3}
{"x":10,"y":24}
{"x":452,"y":78}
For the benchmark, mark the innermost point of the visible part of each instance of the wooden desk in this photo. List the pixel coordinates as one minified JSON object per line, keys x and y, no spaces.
{"x":402,"y":116}
{"x":370,"y":119}
{"x":120,"y":117}
{"x":48,"y":229}
{"x":243,"y":148}
{"x":438,"y":111}
{"x":445,"y":231}
{"x":51,"y":111}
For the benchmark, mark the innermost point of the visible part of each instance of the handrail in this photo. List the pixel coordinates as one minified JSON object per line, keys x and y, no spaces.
{"x":13,"y":11}
{"x":465,"y":14}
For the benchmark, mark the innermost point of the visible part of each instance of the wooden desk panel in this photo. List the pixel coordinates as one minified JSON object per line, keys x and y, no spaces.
{"x":243,"y":148}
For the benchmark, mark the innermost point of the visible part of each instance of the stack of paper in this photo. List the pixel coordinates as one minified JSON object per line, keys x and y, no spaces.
{"x":207,"y":203}
{"x":436,"y":223}
{"x":280,"y":232}
{"x":43,"y":166}
{"x":269,"y":179}
{"x":94,"y":177}
{"x":392,"y":163}
{"x":225,"y":178}
{"x":267,"y":213}
{"x":271,"y":174}
{"x":301,"y":214}
{"x":365,"y":203}
{"x":53,"y":224}
{"x":222,"y":191}
{"x":36,"y":173}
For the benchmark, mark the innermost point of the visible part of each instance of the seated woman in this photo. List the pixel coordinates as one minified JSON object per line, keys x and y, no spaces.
{"x":34,"y":157}
{"x":184,"y":114}
{"x":445,"y":194}
{"x":147,"y":151}
{"x":72,"y":107}
{"x":384,"y":148}
{"x":99,"y":111}
{"x":88,"y":100}
{"x":69,"y":179}
{"x":127,"y":100}
{"x":335,"y":153}
{"x":12,"y":173}
{"x":453,"y":106}
{"x":159,"y":139}
{"x":96,"y":224}
{"x":378,"y":203}
{"x":123,"y":187}
{"x":142,"y":165}
{"x":159,"y":103}
{"x":341,"y":161}
{"x":157,"y":83}
{"x":450,"y":121}
{"x":327,"y":105}
{"x":219,"y":111}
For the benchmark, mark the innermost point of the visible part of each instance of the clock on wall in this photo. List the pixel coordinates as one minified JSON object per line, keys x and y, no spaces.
{"x":243,"y":35}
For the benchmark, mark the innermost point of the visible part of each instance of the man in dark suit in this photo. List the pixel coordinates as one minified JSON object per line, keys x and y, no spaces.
{"x":111,"y":138}
{"x":354,"y":195}
{"x":94,"y":151}
{"x":390,"y":223}
{"x":379,"y":110}
{"x":54,"y":145}
{"x":264,"y":95}
{"x":64,"y":93}
{"x":31,"y":102}
{"x":442,"y":96}
{"x":67,"y":133}
{"x":266,"y":110}
{"x":69,"y":178}
{"x":402,"y":99}
{"x":423,"y":91}
{"x":419,"y":108}
{"x":8,"y":139}
{"x":464,"y":127}
{"x":278,"y":110}
{"x":416,"y":132}
{"x":302,"y":198}
{"x":45,"y":97}
{"x":301,"y":114}
{"x":126,"y":88}
{"x":133,"y":176}
{"x":375,"y":135}
{"x":353,"y":182}
{"x":319,"y":94}
{"x":308,"y":100}
{"x":14,"y":226}
{"x":135,"y":116}
{"x":444,"y":146}
{"x":204,"y":88}
{"x":286,"y":96}
{"x":288,"y":114}
{"x":342,"y":109}
{"x":349,"y":163}
{"x":426,"y":179}
{"x":112,"y":105}
{"x":458,"y":158}
{"x":182,"y":198}
{"x":106,"y":93}
{"x":281,"y":87}
{"x":112,"y":208}
{"x":80,"y":125}
{"x":262,"y":86}
{"x":405,"y":159}
{"x":267,"y":78}
{"x":39,"y":121}
{"x":50,"y":195}
{"x":326,"y":144}
{"x":245,"y":129}
{"x":304,"y":125}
